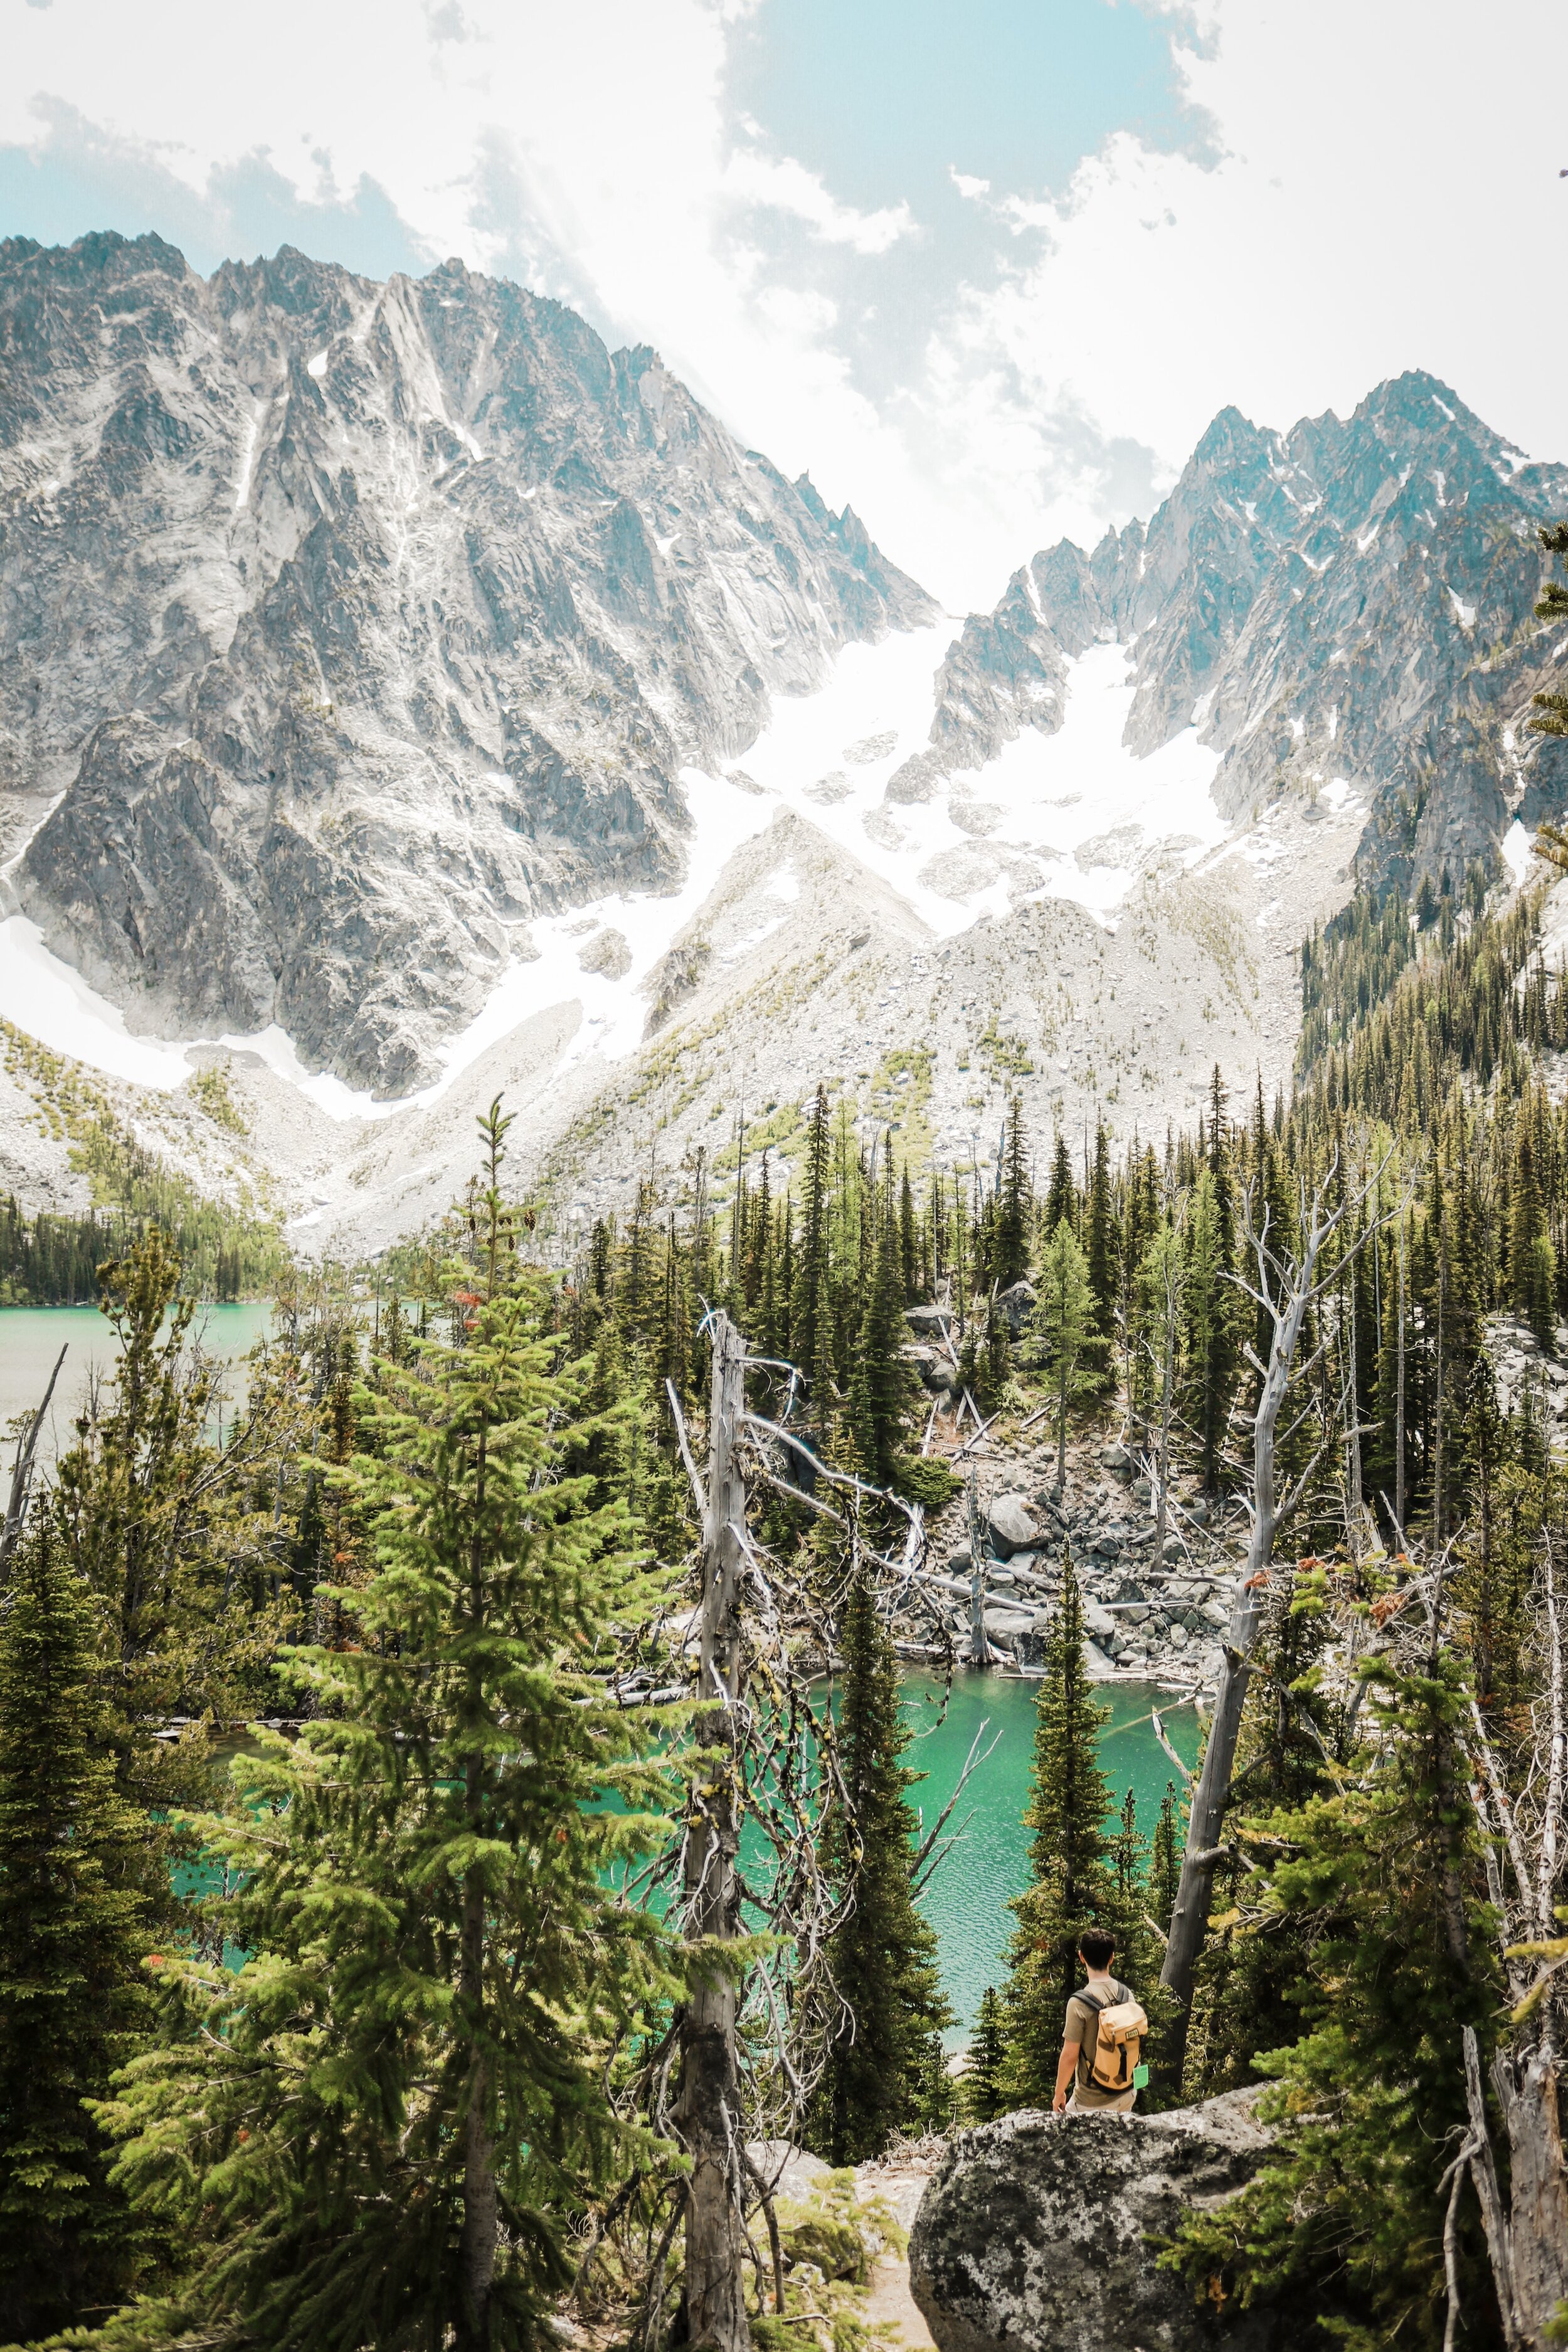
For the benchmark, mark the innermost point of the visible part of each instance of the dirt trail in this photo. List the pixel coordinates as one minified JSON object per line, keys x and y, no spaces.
{"x":901,"y":2180}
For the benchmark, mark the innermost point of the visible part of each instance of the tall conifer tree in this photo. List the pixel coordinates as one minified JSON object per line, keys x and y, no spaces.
{"x":1072,"y":1885}
{"x":74,"y":1998}
{"x":884,"y":2062}
{"x":379,"y":2131}
{"x":1064,"y":1318}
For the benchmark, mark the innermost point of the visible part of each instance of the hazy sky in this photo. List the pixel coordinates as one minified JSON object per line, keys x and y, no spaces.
{"x":987,"y":268}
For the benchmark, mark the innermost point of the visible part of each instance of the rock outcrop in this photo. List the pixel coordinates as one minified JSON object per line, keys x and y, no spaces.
{"x":343,"y":626}
{"x":1035,"y":2232}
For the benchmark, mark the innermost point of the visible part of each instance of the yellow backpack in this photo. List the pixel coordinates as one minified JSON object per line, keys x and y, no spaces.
{"x":1114,"y":2058}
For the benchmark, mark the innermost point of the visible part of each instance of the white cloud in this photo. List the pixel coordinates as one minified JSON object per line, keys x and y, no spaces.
{"x":784,"y":185}
{"x":1384,"y":195}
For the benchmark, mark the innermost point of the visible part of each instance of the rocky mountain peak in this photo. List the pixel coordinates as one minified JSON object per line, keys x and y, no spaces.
{"x":350,"y":624}
{"x":1347,"y":603}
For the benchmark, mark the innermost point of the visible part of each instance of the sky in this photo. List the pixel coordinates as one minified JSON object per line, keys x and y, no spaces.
{"x":985,"y":267}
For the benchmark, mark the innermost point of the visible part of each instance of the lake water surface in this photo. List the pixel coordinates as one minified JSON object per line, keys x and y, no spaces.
{"x":32,"y":1336}
{"x":967,"y":1900}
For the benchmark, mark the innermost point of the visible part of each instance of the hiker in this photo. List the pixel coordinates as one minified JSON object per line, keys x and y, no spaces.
{"x":1102,"y":2041}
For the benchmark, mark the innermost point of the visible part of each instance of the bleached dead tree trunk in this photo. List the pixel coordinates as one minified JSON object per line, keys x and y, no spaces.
{"x":707,"y":2111}
{"x":1289,"y":1283}
{"x":1527,"y":2242}
{"x":16,"y":1516}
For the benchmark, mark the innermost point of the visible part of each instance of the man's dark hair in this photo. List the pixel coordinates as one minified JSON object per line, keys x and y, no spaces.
{"x":1096,"y":1947}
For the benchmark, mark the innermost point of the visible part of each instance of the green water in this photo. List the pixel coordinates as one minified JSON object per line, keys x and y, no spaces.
{"x":32,"y":1336}
{"x":966,"y":1902}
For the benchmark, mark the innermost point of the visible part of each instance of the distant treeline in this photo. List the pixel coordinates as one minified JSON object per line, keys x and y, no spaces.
{"x":53,"y":1261}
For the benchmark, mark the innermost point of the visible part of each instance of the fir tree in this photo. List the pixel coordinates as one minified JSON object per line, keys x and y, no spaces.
{"x":73,"y":1934}
{"x":1061,"y":1200}
{"x":1165,"y":1856}
{"x":1072,"y":1881}
{"x":379,"y":2131}
{"x":984,"y":2078}
{"x":881,"y":1385}
{"x":1064,"y":1318}
{"x":1210,"y":1347}
{"x":812,"y":1335}
{"x":1009,"y":1251}
{"x":157,"y":1522}
{"x":884,"y":2068}
{"x":1100,"y":1238}
{"x":1378,"y":1889}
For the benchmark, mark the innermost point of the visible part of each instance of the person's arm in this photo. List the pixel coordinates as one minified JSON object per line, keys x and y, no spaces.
{"x":1066,"y":2068}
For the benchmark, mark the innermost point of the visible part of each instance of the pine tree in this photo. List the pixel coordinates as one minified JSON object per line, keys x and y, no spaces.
{"x":881,"y":1385}
{"x":1100,"y":1238}
{"x":1072,"y":1881}
{"x":1061,"y":1200}
{"x":1009,"y":1250}
{"x":884,"y":2068}
{"x":74,"y":1998}
{"x":1064,"y":1318}
{"x":985,"y":2082}
{"x":379,"y":2131}
{"x":1378,"y":1888}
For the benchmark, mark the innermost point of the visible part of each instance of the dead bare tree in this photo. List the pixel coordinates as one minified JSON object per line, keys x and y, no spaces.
{"x":708,"y":2112}
{"x":22,"y":1475}
{"x":1527,"y":2238}
{"x":751,"y":2034}
{"x":1290,"y":1282}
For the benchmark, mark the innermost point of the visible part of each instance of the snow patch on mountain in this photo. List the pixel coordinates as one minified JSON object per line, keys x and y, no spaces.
{"x":1073,"y":815}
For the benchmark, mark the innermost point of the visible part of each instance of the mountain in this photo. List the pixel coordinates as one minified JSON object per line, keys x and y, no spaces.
{"x":345,"y":628}
{"x":1348,"y":601}
{"x":364,"y":644}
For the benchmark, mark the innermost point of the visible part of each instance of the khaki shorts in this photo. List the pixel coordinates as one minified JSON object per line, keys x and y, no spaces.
{"x":1120,"y":2105}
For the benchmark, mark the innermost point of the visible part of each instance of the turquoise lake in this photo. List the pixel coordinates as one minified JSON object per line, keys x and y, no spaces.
{"x":32,"y":1336}
{"x":967,"y":1900}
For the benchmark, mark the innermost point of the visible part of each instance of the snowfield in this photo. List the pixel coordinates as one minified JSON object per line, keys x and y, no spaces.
{"x":1073,"y":816}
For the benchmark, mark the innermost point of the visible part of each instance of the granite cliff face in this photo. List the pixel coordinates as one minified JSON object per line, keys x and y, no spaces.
{"x":1345,"y":601}
{"x":345,"y":626}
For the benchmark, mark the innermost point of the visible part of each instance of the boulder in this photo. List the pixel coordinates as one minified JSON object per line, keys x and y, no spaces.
{"x":1015,"y":1306}
{"x":1032,"y":2235}
{"x":1098,"y":1621}
{"x":1012,"y":1529}
{"x":929,"y":1322}
{"x":1009,"y":1626}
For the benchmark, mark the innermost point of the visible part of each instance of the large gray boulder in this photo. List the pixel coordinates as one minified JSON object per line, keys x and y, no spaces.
{"x":1016,"y":1306}
{"x":1012,"y":1529}
{"x":1034,"y":2233}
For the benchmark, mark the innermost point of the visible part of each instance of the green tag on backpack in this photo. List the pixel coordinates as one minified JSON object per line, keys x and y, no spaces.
{"x":1140,"y":2078}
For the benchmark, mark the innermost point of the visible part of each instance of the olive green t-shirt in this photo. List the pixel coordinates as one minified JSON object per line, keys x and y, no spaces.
{"x":1083,"y":2026}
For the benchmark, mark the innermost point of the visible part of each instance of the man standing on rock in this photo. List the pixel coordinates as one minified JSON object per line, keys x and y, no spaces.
{"x":1103,"y":2037}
